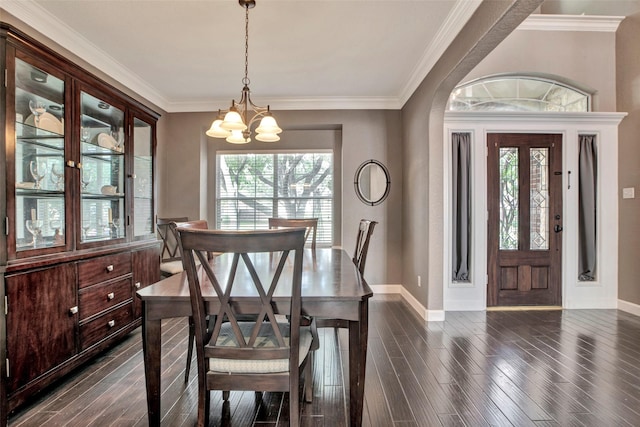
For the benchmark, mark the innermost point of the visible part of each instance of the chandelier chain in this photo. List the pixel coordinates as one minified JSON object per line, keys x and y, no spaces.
{"x":246,"y":80}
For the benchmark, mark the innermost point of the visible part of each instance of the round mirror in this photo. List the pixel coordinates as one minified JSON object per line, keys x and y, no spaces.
{"x":372,"y":182}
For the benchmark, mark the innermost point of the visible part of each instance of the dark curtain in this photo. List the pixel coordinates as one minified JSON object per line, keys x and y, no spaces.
{"x":461,"y":209}
{"x":588,"y":177}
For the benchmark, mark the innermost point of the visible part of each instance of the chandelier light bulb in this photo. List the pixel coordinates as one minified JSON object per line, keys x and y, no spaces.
{"x":237,"y":138}
{"x":215,"y":131}
{"x":233,"y":121}
{"x":268,"y":124}
{"x":267,"y":137}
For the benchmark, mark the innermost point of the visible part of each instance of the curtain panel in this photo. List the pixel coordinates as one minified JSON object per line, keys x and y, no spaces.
{"x":461,"y":206}
{"x":588,"y":177}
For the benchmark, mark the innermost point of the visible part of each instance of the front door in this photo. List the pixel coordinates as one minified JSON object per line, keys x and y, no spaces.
{"x":525,"y":219}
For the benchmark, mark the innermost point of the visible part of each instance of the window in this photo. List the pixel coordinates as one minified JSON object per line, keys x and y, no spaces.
{"x":251,"y":187}
{"x":517,"y":93}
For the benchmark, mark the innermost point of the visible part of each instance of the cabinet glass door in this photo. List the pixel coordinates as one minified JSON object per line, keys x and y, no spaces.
{"x":39,"y":158}
{"x":142,"y":178}
{"x":102,"y":189}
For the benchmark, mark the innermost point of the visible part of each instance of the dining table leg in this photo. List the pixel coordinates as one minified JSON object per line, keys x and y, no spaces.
{"x":358,"y":335}
{"x":151,"y":348}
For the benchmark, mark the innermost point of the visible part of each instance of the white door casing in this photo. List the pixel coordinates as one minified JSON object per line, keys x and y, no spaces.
{"x":601,"y":293}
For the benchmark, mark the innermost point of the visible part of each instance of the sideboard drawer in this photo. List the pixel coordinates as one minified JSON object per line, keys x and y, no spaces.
{"x":97,"y":298}
{"x":103,"y":268}
{"x":105,"y":325}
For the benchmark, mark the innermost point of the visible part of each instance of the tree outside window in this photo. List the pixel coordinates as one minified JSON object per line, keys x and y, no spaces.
{"x":252,"y":187}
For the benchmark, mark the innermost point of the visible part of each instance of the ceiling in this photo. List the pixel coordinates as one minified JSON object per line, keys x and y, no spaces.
{"x":188,"y":55}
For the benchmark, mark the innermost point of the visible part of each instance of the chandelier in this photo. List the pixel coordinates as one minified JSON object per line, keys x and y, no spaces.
{"x":234,"y":124}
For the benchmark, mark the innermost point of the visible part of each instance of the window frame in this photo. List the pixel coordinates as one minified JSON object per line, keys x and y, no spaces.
{"x":326,"y":223}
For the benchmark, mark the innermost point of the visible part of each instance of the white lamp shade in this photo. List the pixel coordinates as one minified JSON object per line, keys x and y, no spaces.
{"x":268,"y":125}
{"x":267,"y":137}
{"x":237,"y":138}
{"x":215,"y":131}
{"x":233,"y":121}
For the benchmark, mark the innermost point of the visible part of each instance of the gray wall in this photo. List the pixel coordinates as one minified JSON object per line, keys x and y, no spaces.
{"x":186,"y":161}
{"x":628,"y":84}
{"x":584,"y":59}
{"x":423,"y":118}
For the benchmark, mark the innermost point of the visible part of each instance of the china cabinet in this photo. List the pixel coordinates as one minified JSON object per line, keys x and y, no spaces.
{"x":78,"y":206}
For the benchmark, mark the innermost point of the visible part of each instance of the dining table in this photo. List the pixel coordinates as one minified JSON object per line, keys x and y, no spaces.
{"x":332,"y":288}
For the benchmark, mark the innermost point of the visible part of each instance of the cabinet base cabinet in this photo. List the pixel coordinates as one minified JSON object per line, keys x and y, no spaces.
{"x":61,"y":316}
{"x":41,"y":328}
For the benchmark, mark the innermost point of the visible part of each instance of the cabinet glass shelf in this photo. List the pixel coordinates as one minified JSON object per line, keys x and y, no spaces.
{"x":39,"y":159}
{"x":102,"y":184}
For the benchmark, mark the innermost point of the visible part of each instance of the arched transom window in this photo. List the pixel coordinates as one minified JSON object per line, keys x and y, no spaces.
{"x":518,"y":93}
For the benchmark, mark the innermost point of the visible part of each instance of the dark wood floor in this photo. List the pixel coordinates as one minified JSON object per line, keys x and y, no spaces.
{"x":534,"y":368}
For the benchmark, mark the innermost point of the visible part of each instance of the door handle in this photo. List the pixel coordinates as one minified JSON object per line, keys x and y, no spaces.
{"x":557,"y":228}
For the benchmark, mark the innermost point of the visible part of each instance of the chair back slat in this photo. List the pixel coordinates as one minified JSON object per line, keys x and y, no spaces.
{"x":260,"y":340}
{"x":365,"y":230}
{"x":311,"y":225}
{"x":170,"y":251}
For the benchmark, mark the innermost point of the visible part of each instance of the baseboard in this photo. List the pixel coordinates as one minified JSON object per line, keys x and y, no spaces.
{"x":387,"y":289}
{"x":629,"y":307}
{"x":428,"y":315}
{"x":525,"y":308}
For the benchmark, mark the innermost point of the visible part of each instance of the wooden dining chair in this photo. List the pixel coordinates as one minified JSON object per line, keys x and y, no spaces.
{"x":170,"y":262}
{"x":363,"y":238}
{"x":365,"y":231}
{"x":172,"y":230}
{"x":311,"y":225}
{"x":269,"y":353}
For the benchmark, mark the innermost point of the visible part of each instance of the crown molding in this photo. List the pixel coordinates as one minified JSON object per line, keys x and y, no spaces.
{"x":283,"y":104}
{"x":29,"y":12}
{"x":455,"y":21}
{"x":571,"y":23}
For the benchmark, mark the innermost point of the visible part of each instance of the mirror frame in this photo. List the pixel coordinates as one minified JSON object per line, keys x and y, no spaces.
{"x":356,"y":183}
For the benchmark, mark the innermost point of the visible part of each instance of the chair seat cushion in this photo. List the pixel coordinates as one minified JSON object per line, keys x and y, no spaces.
{"x":266,"y":338}
{"x":171,"y":267}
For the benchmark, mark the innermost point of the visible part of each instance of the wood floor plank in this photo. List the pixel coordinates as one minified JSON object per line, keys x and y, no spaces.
{"x":517,"y":368}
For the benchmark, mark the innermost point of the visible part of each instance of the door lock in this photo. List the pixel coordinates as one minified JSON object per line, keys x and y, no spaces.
{"x":557,"y":228}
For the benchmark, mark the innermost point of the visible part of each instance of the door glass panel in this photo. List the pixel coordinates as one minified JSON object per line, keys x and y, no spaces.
{"x":539,"y":198}
{"x":509,"y":198}
{"x":102,"y":173}
{"x":39,"y":159}
{"x":143,"y":181}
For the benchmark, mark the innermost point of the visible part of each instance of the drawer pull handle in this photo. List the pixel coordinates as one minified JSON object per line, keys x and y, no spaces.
{"x":110,"y":268}
{"x":137,"y":285}
{"x":111,"y":296}
{"x":111,"y":323}
{"x":73,"y":310}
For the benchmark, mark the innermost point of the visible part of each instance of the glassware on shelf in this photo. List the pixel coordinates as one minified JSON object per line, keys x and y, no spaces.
{"x":37,"y":108}
{"x":56,"y":225}
{"x":85,"y":134}
{"x":118,"y":138}
{"x":34,"y":226}
{"x":115,"y":223}
{"x":57,"y":176}
{"x":38,"y":169}
{"x":86,"y":226}
{"x":87,"y":177}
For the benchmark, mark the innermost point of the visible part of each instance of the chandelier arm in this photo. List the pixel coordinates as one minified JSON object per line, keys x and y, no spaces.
{"x":258,"y":116}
